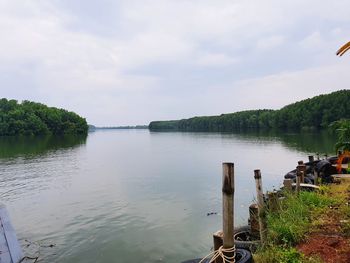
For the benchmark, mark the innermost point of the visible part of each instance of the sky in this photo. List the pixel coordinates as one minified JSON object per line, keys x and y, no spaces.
{"x":128,"y":62}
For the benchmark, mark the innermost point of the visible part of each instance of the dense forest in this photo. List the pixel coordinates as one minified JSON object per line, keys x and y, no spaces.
{"x":31,"y":118}
{"x":315,"y":113}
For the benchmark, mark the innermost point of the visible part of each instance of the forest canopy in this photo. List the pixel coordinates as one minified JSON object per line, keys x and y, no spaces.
{"x":31,"y":118}
{"x":314,"y":113}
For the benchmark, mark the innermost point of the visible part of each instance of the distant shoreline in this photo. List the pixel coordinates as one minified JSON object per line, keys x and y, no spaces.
{"x":93,"y":128}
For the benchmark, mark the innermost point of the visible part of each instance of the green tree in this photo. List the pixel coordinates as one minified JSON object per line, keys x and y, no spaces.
{"x":342,"y":128}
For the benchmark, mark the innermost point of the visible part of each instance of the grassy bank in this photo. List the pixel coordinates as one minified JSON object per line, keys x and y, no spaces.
{"x":296,"y":230}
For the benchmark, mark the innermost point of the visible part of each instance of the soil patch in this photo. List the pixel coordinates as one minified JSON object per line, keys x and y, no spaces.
{"x":329,"y":248}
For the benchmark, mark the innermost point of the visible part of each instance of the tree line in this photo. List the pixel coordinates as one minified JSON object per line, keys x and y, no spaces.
{"x":315,"y":113}
{"x":31,"y":118}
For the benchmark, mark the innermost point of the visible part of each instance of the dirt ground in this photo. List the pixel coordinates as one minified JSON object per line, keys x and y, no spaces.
{"x":328,"y":241}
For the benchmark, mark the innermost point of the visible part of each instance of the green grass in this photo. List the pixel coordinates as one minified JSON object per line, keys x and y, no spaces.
{"x":290,"y":224}
{"x":275,"y":254}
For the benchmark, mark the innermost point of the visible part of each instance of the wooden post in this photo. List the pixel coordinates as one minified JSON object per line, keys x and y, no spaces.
{"x":228,"y":189}
{"x":311,"y":159}
{"x":315,"y":177}
{"x":261,"y":206}
{"x":311,"y":162}
{"x":297,"y":187}
{"x":217,"y":238}
{"x":302,"y":168}
{"x":287,"y":184}
{"x":254,"y":221}
{"x":273,"y":201}
{"x":318,"y":156}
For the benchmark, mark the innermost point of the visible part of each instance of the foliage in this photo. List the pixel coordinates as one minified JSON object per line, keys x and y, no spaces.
{"x":342,"y":128}
{"x":275,"y":254}
{"x":314,"y":113}
{"x":30,"y":118}
{"x":290,"y":224}
{"x":282,"y":225}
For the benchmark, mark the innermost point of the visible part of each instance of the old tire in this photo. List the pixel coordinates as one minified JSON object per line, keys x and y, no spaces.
{"x":243,"y":239}
{"x":243,"y":256}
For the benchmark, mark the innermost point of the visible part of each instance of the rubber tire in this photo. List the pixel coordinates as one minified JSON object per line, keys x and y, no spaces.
{"x":245,"y":257}
{"x":308,"y":180}
{"x":248,"y":245}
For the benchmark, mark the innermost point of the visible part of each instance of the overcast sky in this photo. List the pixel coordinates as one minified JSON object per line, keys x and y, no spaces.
{"x":126,"y":62}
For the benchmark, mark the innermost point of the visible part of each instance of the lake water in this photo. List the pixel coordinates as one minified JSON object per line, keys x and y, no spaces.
{"x":133,"y":195}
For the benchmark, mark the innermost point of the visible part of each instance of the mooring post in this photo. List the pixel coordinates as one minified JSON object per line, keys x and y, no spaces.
{"x":261,"y":206}
{"x":254,"y":221}
{"x":287,"y":183}
{"x":301,"y":167}
{"x":228,"y":189}
{"x":273,"y":201}
{"x":217,"y":238}
{"x":315,"y":177}
{"x":311,"y":162}
{"x":311,"y":159}
{"x":297,"y":186}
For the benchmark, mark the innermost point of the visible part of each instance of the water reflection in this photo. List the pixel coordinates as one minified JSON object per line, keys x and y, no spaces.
{"x":124,"y":194}
{"x":309,"y":142}
{"x":33,"y":146}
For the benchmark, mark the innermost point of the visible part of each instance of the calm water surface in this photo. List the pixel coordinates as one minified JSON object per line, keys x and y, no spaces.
{"x":135,"y":196}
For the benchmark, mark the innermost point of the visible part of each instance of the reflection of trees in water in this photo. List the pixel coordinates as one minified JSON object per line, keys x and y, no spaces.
{"x":309,"y":142}
{"x":31,"y":146}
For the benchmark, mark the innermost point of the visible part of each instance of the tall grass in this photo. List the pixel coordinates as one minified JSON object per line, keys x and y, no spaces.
{"x":292,"y":221}
{"x":289,"y":225}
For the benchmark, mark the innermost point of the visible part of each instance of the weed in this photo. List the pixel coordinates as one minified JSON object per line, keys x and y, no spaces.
{"x":273,"y":254}
{"x":289,"y":225}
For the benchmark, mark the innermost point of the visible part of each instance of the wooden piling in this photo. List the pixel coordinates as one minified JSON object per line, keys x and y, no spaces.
{"x":311,"y":159}
{"x":302,"y":168}
{"x":261,"y":206}
{"x":298,"y":179}
{"x":217,"y":239}
{"x":273,"y":201}
{"x":287,"y":183}
{"x":228,"y":189}
{"x":254,"y":221}
{"x":315,"y":177}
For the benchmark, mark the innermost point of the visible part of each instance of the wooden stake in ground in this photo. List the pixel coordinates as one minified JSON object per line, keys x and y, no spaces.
{"x":273,"y":201}
{"x":298,"y":179}
{"x":217,"y":238}
{"x":261,"y":206}
{"x":302,"y":167}
{"x":228,"y":189}
{"x":287,"y":183}
{"x":311,"y":162}
{"x":315,"y":177}
{"x":254,"y":221}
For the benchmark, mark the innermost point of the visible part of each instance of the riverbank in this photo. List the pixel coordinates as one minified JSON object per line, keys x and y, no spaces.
{"x":313,"y":227}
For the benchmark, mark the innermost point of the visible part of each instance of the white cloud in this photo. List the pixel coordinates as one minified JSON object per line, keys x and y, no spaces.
{"x":213,"y":43}
{"x":215,"y":60}
{"x":278,"y":90}
{"x":270,"y":42}
{"x":312,"y":41}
